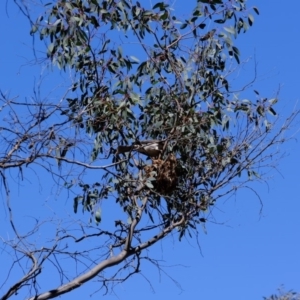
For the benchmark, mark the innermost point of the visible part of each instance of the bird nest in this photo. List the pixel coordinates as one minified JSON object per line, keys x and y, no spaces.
{"x":165,"y":174}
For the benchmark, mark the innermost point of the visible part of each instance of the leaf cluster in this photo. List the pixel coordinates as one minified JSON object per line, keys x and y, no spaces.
{"x":180,"y":94}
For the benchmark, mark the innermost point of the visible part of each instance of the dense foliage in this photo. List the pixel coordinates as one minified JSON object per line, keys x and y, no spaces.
{"x":166,"y":81}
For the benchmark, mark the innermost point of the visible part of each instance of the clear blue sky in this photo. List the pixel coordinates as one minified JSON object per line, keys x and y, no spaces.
{"x":249,"y":255}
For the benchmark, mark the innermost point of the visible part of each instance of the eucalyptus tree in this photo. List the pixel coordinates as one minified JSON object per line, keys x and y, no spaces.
{"x":283,"y":295}
{"x":150,"y":108}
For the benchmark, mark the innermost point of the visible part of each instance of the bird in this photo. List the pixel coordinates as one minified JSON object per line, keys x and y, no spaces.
{"x":151,"y":148}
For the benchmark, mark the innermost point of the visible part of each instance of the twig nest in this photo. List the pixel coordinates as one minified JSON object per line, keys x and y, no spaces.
{"x":165,"y":174}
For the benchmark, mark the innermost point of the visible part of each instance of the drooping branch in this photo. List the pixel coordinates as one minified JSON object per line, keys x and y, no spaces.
{"x":107,"y":263}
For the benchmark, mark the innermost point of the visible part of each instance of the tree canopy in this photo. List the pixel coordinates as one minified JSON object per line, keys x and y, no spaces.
{"x":149,"y":106}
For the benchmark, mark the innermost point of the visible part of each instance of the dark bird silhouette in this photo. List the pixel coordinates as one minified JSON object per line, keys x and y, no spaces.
{"x":152,"y":148}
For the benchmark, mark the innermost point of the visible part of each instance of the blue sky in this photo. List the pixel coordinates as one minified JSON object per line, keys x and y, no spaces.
{"x":247,"y":255}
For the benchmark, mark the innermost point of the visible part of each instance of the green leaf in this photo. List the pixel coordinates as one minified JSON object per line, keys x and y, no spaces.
{"x":93,"y":196}
{"x":158,"y":5}
{"x":230,"y":29}
{"x":236,"y":58}
{"x":268,"y":125}
{"x":134,"y":58}
{"x":260,"y":110}
{"x":250,"y":19}
{"x":34,"y":29}
{"x":256,"y":10}
{"x":51,"y":49}
{"x":236,"y":50}
{"x":98,"y":216}
{"x":76,"y":201}
{"x":149,"y":184}
{"x":184,"y":25}
{"x":272,"y":111}
{"x":273,"y":101}
{"x":75,"y":204}
{"x":219,"y":21}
